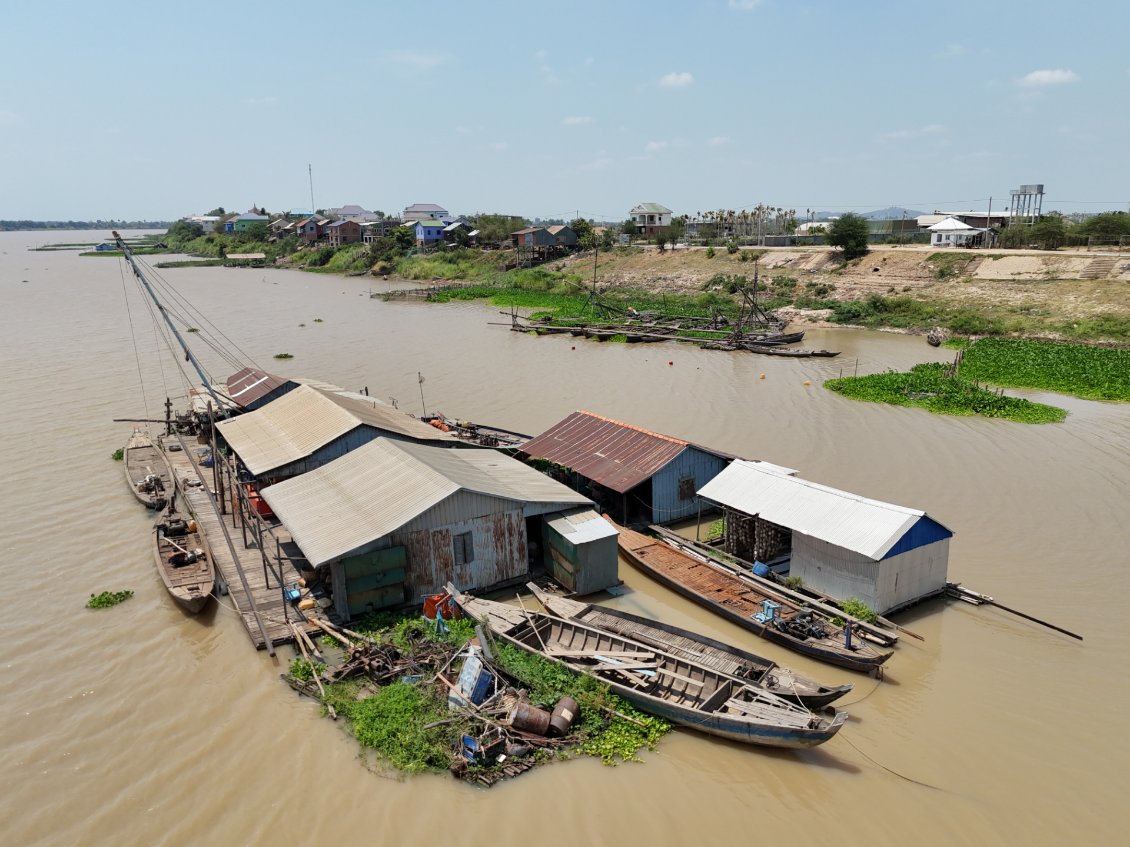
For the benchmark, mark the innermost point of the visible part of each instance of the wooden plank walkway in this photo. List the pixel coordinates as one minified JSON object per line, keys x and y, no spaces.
{"x":263,"y":593}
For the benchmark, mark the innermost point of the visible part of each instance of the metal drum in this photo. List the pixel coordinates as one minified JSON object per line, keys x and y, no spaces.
{"x":529,"y":719}
{"x":564,"y":713}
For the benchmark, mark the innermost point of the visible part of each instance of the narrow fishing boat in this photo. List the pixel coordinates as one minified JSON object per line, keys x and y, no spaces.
{"x":772,"y":616}
{"x":683,"y":643}
{"x":147,"y":470}
{"x":183,"y":560}
{"x":682,"y":691}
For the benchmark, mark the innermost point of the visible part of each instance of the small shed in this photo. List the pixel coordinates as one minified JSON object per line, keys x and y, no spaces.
{"x":563,"y":235}
{"x":839,"y":543}
{"x":951,"y":232}
{"x":639,"y":476}
{"x":429,"y":232}
{"x":393,"y":521}
{"x":581,"y":551}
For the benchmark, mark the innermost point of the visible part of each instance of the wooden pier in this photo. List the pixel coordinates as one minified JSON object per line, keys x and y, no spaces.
{"x":248,"y":558}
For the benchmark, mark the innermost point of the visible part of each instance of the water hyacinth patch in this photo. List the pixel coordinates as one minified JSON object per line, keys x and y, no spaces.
{"x":928,"y":387}
{"x":1094,"y":373}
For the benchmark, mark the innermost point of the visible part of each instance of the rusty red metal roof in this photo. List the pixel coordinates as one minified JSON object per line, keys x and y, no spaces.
{"x":617,"y":455}
{"x":248,"y":385}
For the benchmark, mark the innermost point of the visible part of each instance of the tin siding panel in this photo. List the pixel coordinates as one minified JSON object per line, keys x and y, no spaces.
{"x":835,"y":571}
{"x":911,"y":575}
{"x":499,"y":541}
{"x":665,"y":502}
{"x":324,"y":455}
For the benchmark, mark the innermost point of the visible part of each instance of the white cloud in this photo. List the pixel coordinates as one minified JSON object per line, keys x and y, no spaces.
{"x":589,"y":60}
{"x":416,"y":60}
{"x":655,"y":147}
{"x":9,"y":118}
{"x":576,"y":120}
{"x":1038,"y":79}
{"x":498,"y":146}
{"x":463,"y":130}
{"x":602,"y":160}
{"x":744,"y":5}
{"x":676,"y":80}
{"x":719,"y":140}
{"x":952,"y":51}
{"x":907,"y":134}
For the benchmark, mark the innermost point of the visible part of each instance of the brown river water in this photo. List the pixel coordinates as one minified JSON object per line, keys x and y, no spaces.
{"x":139,"y":725}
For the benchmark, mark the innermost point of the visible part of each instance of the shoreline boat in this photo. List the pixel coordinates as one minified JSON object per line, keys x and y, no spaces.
{"x":183,"y":560}
{"x":148,"y":472}
{"x":757,"y":670}
{"x":762,"y":612}
{"x":684,"y":692}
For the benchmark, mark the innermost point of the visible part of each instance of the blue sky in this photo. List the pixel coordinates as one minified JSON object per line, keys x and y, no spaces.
{"x":155,"y":110}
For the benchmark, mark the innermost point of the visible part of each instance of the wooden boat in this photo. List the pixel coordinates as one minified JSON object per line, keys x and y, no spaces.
{"x":183,"y":560}
{"x":685,"y":644}
{"x":769,"y":615}
{"x":147,"y":470}
{"x":682,"y":691}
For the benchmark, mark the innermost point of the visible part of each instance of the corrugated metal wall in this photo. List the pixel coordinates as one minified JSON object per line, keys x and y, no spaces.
{"x":324,"y":455}
{"x":917,"y":573}
{"x":835,"y":571}
{"x":666,"y":504}
{"x":882,"y":585}
{"x":498,"y":533}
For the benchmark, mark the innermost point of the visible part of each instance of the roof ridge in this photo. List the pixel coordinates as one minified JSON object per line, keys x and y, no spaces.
{"x":633,"y":427}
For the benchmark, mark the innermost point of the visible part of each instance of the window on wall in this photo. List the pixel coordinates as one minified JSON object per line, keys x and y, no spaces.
{"x":464,"y":548}
{"x":686,"y":488}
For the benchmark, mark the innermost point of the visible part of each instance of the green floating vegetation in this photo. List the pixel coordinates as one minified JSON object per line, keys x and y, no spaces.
{"x":192,"y":329}
{"x":284,"y":355}
{"x":410,"y":726}
{"x":928,"y":386}
{"x":1094,"y":373}
{"x":317,"y":320}
{"x":858,"y":609}
{"x":118,"y":455}
{"x":107,"y":599}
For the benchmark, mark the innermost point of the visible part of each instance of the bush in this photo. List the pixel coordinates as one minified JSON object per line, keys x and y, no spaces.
{"x":732,"y":246}
{"x":710,"y":252}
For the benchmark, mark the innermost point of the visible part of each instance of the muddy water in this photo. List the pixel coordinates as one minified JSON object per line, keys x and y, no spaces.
{"x":138,"y":725}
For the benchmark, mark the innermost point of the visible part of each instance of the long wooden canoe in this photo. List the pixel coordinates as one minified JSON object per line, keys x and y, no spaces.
{"x":772,"y":616}
{"x":680,"y":690}
{"x":148,"y":472}
{"x":183,"y":560}
{"x":683,"y":643}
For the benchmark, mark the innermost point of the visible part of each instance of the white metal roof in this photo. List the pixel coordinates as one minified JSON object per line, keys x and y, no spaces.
{"x":583,"y":526}
{"x":869,"y":527}
{"x":377,"y":488}
{"x":950,"y":225}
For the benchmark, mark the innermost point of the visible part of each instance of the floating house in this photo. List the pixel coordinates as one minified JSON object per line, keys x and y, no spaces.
{"x":639,"y":476}
{"x":309,"y":427}
{"x":839,"y":543}
{"x":393,"y":521}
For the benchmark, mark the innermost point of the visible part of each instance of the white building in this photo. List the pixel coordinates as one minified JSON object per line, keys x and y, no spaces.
{"x":650,"y":218}
{"x":839,"y":543}
{"x":950,"y":232}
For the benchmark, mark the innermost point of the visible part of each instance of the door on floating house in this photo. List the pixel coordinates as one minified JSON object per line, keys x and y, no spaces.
{"x":369,"y":582}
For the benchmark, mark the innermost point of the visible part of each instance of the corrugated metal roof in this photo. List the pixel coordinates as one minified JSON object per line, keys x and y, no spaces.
{"x":869,"y":527}
{"x":376,"y":413}
{"x":617,"y":455}
{"x":950,"y":225}
{"x":583,"y":526}
{"x":248,"y":385}
{"x":653,"y":208}
{"x":528,"y":229}
{"x":377,"y":488}
{"x":287,"y":429}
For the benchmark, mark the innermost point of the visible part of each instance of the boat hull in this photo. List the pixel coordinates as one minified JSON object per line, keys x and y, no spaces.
{"x":678,"y":690}
{"x":147,"y":469}
{"x":675,"y":569}
{"x":189,"y":584}
{"x":720,"y":656}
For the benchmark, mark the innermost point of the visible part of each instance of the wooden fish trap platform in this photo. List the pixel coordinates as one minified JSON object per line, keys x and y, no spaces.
{"x":255,"y":576}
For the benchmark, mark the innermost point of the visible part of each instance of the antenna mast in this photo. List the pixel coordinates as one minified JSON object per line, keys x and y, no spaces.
{"x":188,"y":354}
{"x":310,"y":173}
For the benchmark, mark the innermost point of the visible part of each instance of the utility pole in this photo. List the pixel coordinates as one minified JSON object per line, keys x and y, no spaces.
{"x":310,"y":174}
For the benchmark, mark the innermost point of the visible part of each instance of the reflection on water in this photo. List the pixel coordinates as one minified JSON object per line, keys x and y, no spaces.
{"x":158,"y":728}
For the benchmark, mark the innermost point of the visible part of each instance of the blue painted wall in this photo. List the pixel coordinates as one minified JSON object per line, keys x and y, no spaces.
{"x":925,"y":531}
{"x":665,"y":503}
